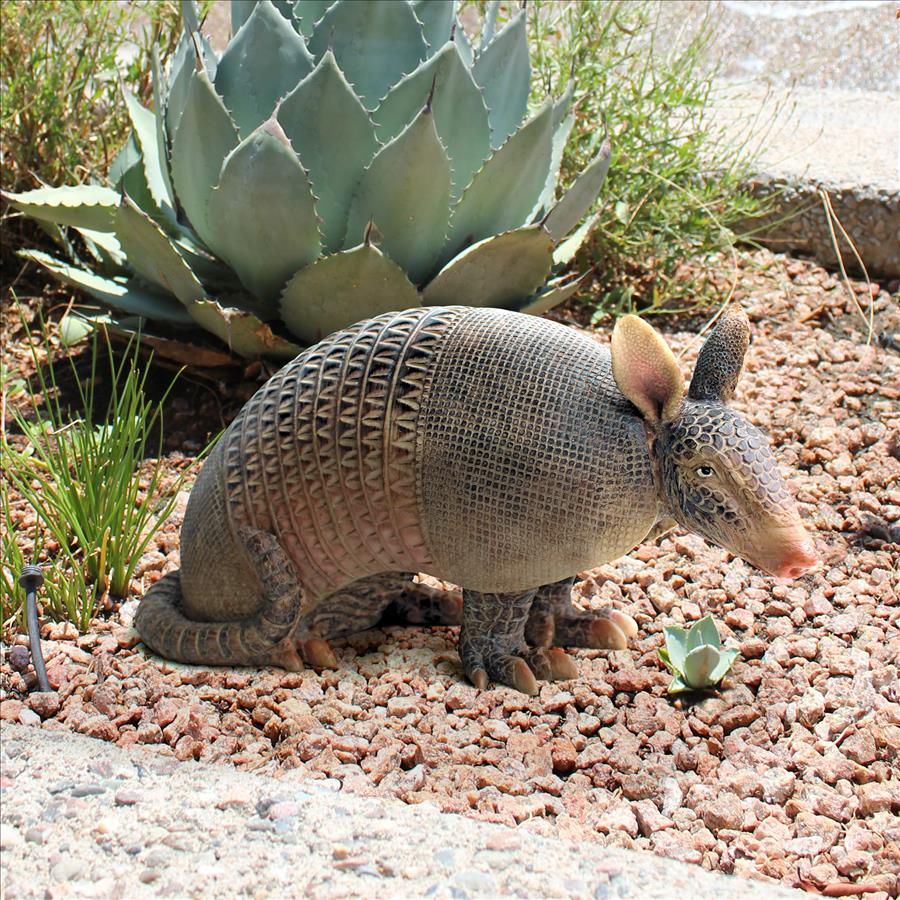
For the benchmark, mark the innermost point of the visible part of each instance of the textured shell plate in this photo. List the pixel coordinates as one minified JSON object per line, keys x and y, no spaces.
{"x":484,"y":447}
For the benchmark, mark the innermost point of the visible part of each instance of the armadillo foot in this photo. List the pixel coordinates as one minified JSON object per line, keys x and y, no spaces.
{"x":492,"y":641}
{"x":554,"y":620}
{"x":286,"y":656}
{"x":551,"y":663}
{"x":318,"y":654}
{"x":562,"y":666}
{"x":510,"y":670}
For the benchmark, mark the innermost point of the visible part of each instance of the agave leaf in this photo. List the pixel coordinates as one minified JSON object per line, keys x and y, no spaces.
{"x":436,"y":17}
{"x":129,"y":154}
{"x":241,"y":331}
{"x":83,"y":205}
{"x":106,"y":250}
{"x":205,"y":136}
{"x":726,"y":661}
{"x":565,"y":252}
{"x":144,"y":123}
{"x":460,"y":115}
{"x":134,"y":183}
{"x":240,"y":12}
{"x":181,"y":69}
{"x":190,"y":15}
{"x":503,"y":72}
{"x":129,"y":327}
{"x":74,"y":328}
{"x":499,"y":271}
{"x":152,"y":255}
{"x":190,"y":21}
{"x":413,"y":166}
{"x":561,"y":134}
{"x":264,"y":61}
{"x":503,"y":192}
{"x":698,"y":665}
{"x":126,"y":295}
{"x":307,"y":13}
{"x":561,"y":106}
{"x":703,"y":632}
{"x":678,"y":686}
{"x":337,"y":290}
{"x":262,"y":216}
{"x":490,"y":24}
{"x":375,"y":43}
{"x":463,"y":44}
{"x":663,"y":654}
{"x":579,"y":198}
{"x":676,"y":645}
{"x":159,"y":121}
{"x":206,"y":267}
{"x":556,"y":292}
{"x":180,"y":351}
{"x":335,"y":140}
{"x":286,"y":8}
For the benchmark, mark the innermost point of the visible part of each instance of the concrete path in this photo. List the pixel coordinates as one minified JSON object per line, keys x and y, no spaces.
{"x":83,"y":818}
{"x":814,"y":87}
{"x":821,"y":79}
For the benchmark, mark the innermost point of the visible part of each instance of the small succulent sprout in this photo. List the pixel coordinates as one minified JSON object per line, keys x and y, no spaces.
{"x":695,"y":656}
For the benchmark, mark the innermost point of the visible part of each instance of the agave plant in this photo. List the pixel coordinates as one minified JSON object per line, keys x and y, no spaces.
{"x":695,"y":657}
{"x":338,"y":160}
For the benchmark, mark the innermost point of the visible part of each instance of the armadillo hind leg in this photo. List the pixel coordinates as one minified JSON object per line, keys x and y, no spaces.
{"x":262,"y":639}
{"x":492,"y":643}
{"x":554,"y":620}
{"x":388,"y":598}
{"x":414,"y":603}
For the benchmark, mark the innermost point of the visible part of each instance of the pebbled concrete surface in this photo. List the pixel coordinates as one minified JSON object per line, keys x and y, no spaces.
{"x":814,"y":86}
{"x":83,"y":818}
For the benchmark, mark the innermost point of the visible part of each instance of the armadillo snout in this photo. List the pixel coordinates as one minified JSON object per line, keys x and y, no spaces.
{"x":798,"y":560}
{"x":722,"y":481}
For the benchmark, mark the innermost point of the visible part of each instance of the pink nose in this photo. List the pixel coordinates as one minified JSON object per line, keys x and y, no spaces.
{"x":797,"y":561}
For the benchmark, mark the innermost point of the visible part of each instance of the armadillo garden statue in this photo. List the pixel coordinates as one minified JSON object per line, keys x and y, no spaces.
{"x":498,"y":451}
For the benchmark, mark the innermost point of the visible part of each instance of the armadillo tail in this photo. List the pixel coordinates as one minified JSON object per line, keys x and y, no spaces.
{"x":262,"y":639}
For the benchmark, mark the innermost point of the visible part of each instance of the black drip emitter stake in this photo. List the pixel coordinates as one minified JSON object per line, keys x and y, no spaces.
{"x":31,"y":579}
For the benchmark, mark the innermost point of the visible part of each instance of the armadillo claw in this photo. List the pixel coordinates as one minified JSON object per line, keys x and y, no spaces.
{"x":285,"y":656}
{"x":625,"y":623}
{"x":522,"y":677}
{"x":318,"y":654}
{"x":562,"y":666}
{"x":605,"y":634}
{"x":510,"y":670}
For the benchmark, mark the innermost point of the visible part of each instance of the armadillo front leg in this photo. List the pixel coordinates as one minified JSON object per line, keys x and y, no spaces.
{"x":492,"y":643}
{"x":554,"y":620}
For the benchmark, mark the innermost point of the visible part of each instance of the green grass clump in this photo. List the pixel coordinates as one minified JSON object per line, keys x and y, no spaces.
{"x":96,"y":480}
{"x":676,"y":187}
{"x":61,"y":114}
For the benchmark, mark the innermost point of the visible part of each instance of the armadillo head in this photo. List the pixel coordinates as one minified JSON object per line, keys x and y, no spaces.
{"x":717,"y":475}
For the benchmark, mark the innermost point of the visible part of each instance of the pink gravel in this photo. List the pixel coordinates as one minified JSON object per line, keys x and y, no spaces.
{"x":790,"y":774}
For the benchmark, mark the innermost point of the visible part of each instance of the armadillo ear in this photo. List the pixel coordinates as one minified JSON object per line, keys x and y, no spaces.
{"x":646,"y":370}
{"x":721,"y":357}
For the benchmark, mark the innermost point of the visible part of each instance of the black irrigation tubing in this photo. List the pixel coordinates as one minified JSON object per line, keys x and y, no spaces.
{"x":31,"y":579}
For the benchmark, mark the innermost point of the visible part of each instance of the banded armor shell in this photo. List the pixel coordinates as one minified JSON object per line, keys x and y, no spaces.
{"x":487,"y":448}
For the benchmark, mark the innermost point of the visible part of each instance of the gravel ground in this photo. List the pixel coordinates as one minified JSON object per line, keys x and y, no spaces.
{"x":84,"y":819}
{"x":790,"y":775}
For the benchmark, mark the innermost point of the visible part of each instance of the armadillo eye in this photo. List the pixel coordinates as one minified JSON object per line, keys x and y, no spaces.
{"x":705,"y":471}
